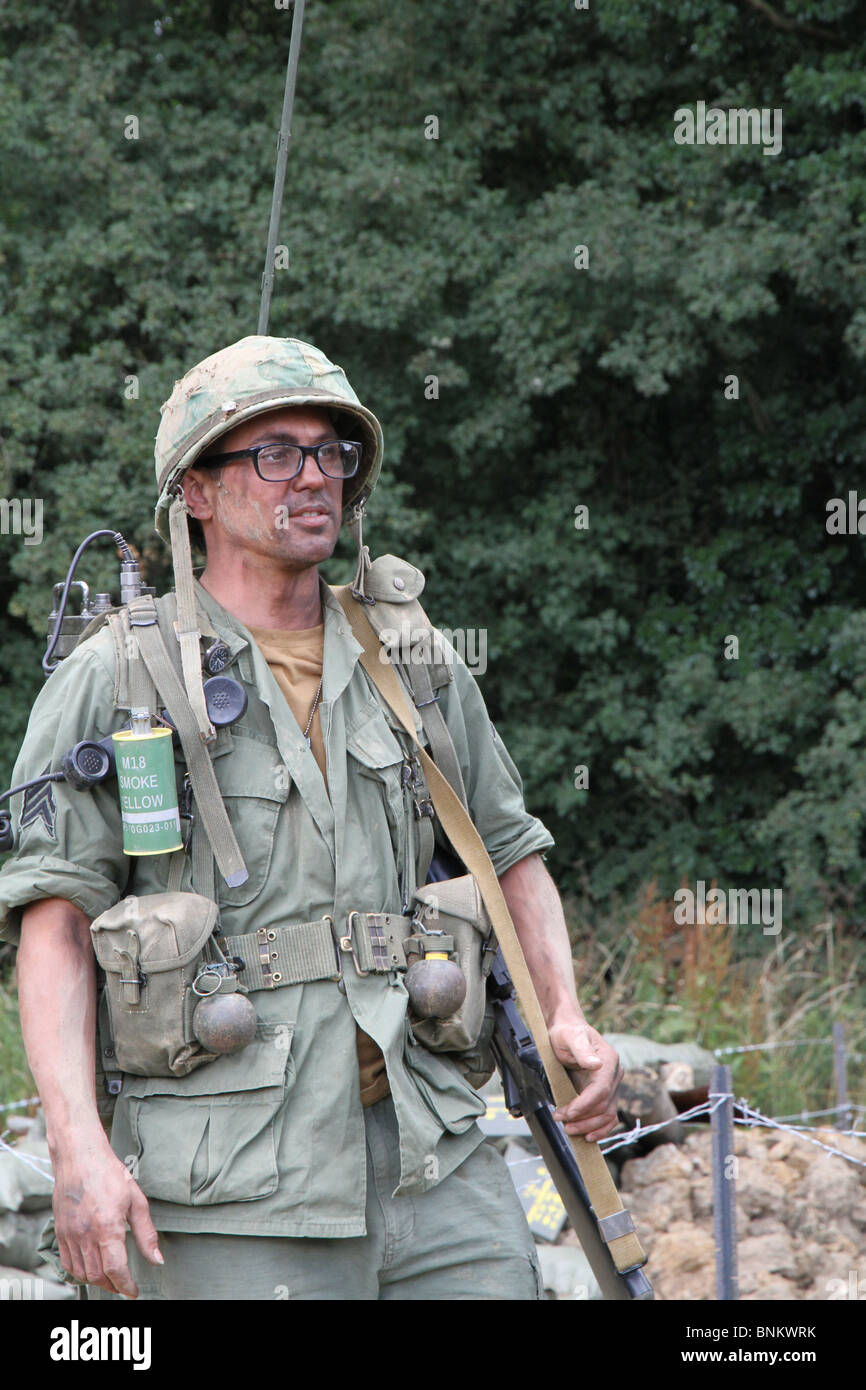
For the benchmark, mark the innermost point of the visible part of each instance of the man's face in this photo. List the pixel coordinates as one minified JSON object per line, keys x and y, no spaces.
{"x":294,"y":523}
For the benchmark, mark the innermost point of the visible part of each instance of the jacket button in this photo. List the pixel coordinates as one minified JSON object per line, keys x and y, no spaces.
{"x":399,"y":583}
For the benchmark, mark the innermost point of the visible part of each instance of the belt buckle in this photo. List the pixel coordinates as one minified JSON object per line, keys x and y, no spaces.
{"x":347,"y":944}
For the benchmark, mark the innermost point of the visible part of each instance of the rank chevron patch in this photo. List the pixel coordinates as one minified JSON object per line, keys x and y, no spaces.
{"x":39,"y":804}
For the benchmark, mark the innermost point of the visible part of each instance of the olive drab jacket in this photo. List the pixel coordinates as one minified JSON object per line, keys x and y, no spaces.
{"x":270,"y":1140}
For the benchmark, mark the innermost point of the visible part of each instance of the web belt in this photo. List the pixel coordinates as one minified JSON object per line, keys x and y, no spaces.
{"x":306,"y":951}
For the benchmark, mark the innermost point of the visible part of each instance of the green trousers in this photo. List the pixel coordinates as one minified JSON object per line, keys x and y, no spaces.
{"x":467,"y":1238}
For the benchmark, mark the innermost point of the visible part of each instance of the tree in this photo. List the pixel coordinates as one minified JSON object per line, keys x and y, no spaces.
{"x":694,"y":378}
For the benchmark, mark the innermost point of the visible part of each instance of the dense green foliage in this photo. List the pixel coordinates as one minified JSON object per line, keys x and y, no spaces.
{"x":558,"y":386}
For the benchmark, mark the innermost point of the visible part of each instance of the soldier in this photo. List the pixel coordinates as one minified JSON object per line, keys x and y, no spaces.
{"x":335,"y":1156}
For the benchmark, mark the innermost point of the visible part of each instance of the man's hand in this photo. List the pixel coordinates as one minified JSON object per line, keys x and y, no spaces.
{"x":540,"y":924}
{"x":595,"y":1069}
{"x":94,"y":1201}
{"x":95,"y":1195}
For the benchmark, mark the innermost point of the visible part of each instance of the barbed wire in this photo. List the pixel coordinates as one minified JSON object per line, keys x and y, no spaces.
{"x":812,"y":1114}
{"x":640,"y":1131}
{"x":751,"y":1118}
{"x":20,"y":1104}
{"x":29,"y":1159}
{"x":786,"y":1042}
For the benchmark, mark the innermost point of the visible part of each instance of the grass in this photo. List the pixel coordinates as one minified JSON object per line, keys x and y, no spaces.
{"x":16,"y":1081}
{"x":723,"y":986}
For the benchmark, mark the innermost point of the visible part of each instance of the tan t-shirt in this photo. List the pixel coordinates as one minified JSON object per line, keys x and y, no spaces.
{"x":295,"y":660}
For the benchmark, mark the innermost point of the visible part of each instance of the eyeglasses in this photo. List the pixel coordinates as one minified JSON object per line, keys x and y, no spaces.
{"x":279,"y":463}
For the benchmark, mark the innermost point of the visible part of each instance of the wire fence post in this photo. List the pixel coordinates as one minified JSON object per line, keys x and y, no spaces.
{"x":840,"y":1064}
{"x":724,"y":1188}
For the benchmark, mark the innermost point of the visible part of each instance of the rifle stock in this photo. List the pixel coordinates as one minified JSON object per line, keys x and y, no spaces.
{"x":527,"y":1093}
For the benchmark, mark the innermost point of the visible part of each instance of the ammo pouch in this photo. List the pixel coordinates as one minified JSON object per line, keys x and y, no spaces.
{"x":150,"y":949}
{"x":453,"y":906}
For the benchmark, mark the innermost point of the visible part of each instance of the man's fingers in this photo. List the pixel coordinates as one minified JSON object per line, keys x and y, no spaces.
{"x":594,"y":1098}
{"x":595,"y":1128}
{"x":99,"y":1258}
{"x":587,"y":1059}
{"x":143,"y":1229}
{"x":116,"y":1268}
{"x":70,"y":1258}
{"x":593,"y":1125}
{"x":93,"y":1271}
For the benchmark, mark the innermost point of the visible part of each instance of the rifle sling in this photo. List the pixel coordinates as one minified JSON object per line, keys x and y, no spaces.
{"x":625,"y":1249}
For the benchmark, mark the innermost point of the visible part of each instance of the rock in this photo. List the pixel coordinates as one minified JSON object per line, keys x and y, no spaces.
{"x":857,"y":1215}
{"x":780,"y":1150}
{"x":810,"y":1259}
{"x":801,"y":1217}
{"x":749,"y":1146}
{"x":682,"y":1249}
{"x":702,"y":1198}
{"x":683,"y":1263}
{"x":698,"y":1151}
{"x":831,"y":1185}
{"x":800,"y":1156}
{"x":758,"y":1191}
{"x":763,"y":1226}
{"x":768,"y":1254}
{"x":849,"y":1144}
{"x":653,"y":1218}
{"x":784,"y":1173}
{"x":675,"y":1195}
{"x":664,"y":1162}
{"x":771,"y":1287}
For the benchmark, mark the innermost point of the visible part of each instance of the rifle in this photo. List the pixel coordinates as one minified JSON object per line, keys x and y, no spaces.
{"x":527,"y":1093}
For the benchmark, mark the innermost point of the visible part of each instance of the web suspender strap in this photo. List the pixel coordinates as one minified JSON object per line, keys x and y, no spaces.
{"x":625,"y":1248}
{"x":187,"y":629}
{"x":427,"y":704}
{"x":209,"y":802}
{"x":424,"y":677}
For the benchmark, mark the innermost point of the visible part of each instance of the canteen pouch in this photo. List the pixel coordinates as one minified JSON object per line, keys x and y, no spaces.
{"x":149,"y":949}
{"x":454,"y":906}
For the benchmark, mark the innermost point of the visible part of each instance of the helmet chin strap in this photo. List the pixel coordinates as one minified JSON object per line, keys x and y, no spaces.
{"x":186,"y":626}
{"x":356,"y":524}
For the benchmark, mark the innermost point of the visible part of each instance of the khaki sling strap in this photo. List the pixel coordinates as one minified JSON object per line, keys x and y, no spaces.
{"x":619,"y":1233}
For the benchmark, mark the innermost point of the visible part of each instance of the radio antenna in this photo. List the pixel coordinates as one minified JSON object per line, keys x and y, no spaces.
{"x":280,"y":175}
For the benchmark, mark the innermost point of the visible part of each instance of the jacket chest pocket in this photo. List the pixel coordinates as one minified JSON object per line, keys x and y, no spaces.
{"x":376,"y":766}
{"x":210,"y":1137}
{"x":254,"y":784}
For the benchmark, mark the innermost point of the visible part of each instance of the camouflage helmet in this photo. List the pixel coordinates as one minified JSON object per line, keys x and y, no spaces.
{"x":248,"y":378}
